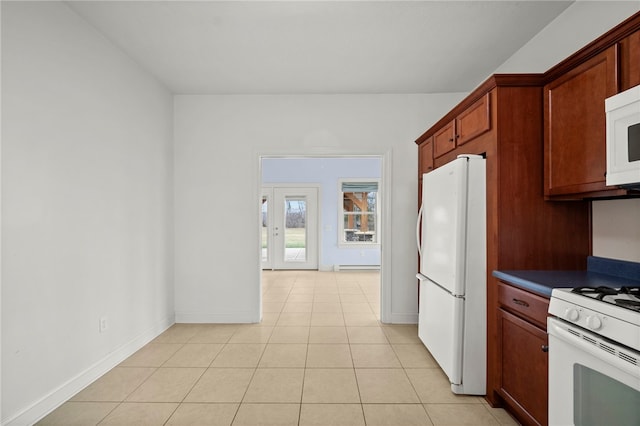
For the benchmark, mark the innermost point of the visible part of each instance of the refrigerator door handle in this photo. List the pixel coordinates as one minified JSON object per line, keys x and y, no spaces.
{"x":424,"y":278}
{"x":418,"y":242}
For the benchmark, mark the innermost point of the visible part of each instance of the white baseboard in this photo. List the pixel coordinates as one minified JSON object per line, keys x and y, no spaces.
{"x":404,"y":318}
{"x":57,"y":397}
{"x":217,"y":318}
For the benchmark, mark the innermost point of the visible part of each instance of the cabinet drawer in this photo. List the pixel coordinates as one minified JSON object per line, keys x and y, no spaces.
{"x":525,"y":304}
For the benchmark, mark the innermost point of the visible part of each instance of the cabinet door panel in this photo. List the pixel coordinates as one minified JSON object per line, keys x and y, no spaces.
{"x":630,"y":61}
{"x":524,"y":367}
{"x":575,"y":159}
{"x":425,"y":160}
{"x":475,"y":121}
{"x":444,"y":140}
{"x":425,"y":163}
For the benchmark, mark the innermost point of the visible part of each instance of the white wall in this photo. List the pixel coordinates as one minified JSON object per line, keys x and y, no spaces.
{"x":577,"y":26}
{"x":616,"y":223}
{"x":616,"y":229}
{"x":218,"y":140}
{"x":86,"y":197}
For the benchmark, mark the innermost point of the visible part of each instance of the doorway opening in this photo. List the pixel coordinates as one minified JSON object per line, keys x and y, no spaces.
{"x":341,"y":234}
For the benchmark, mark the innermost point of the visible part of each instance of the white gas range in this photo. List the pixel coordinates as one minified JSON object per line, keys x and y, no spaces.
{"x":594,"y":356}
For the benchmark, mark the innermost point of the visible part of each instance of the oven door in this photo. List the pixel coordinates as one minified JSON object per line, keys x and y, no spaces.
{"x":591,"y":380}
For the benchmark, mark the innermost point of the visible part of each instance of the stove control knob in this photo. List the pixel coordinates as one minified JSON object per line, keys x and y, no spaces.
{"x":572,"y":314}
{"x":594,"y":322}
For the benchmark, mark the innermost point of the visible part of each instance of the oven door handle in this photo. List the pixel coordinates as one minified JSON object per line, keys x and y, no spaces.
{"x":600,"y":349}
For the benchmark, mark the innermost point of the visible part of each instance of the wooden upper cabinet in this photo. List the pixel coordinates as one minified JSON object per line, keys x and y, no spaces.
{"x":630,"y":61}
{"x":469,"y":124}
{"x":475,"y":121}
{"x":575,"y":126}
{"x":444,"y":140}
{"x":425,"y":159}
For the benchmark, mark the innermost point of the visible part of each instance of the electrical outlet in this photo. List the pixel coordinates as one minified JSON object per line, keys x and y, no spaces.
{"x":104,"y":324}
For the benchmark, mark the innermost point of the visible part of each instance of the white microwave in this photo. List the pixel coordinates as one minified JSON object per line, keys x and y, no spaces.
{"x":623,"y":139}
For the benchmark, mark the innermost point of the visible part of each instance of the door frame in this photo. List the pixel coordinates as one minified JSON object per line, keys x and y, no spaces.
{"x":385,"y":225}
{"x":316,"y":241}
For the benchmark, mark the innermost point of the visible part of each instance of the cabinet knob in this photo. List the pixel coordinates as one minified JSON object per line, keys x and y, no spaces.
{"x":450,"y":139}
{"x":545,"y":348}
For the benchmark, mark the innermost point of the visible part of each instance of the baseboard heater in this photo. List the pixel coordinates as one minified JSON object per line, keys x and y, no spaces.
{"x":337,"y":268}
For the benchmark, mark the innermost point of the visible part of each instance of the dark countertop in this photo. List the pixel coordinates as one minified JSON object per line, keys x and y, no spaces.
{"x":600,"y":272}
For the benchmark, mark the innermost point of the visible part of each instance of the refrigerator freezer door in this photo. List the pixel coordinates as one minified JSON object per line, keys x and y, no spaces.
{"x":441,"y":328}
{"x":444,"y":195}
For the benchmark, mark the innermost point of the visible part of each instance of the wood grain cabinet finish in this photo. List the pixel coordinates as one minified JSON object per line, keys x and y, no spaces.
{"x":524,"y":368}
{"x":474,"y":121}
{"x":525,"y":304}
{"x":444,"y":140}
{"x":574,"y":114}
{"x":575,"y":127}
{"x":630,"y":61}
{"x":425,"y":161}
{"x":469,"y":124}
{"x":522,"y":330}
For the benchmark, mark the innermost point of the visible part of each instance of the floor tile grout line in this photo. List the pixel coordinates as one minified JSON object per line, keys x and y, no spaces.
{"x":109,"y":413}
{"x":422,"y":403}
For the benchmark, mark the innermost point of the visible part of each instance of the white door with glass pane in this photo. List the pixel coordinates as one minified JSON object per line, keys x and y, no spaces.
{"x":289,"y":228}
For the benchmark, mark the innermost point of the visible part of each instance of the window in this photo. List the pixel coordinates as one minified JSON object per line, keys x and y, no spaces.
{"x":359,"y":213}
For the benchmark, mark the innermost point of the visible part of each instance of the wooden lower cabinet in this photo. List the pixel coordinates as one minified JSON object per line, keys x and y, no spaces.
{"x":522,"y":351}
{"x":523,"y":375}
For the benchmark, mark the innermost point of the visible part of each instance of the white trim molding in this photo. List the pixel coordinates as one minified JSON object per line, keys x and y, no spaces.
{"x":64,"y":392}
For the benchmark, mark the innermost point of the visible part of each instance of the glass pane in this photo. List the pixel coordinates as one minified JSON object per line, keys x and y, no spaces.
{"x":359,"y":210}
{"x":602,"y":400}
{"x":359,"y":201}
{"x":265,"y":229}
{"x":360,"y":228}
{"x":372,"y":200}
{"x":295,"y":230}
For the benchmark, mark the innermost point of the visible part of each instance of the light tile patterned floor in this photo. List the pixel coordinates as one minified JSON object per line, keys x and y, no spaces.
{"x":319,"y":357}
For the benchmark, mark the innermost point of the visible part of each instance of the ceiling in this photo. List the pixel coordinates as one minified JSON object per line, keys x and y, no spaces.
{"x":292,"y":47}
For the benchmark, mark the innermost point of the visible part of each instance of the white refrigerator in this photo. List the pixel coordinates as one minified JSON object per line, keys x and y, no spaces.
{"x":452,"y":244}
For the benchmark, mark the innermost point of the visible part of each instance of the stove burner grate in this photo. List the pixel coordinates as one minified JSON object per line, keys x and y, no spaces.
{"x":626,"y":303}
{"x":632,"y":291}
{"x":599,"y":292}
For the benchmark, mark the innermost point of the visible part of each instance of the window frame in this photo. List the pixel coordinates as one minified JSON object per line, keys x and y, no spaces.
{"x":341,"y":232}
